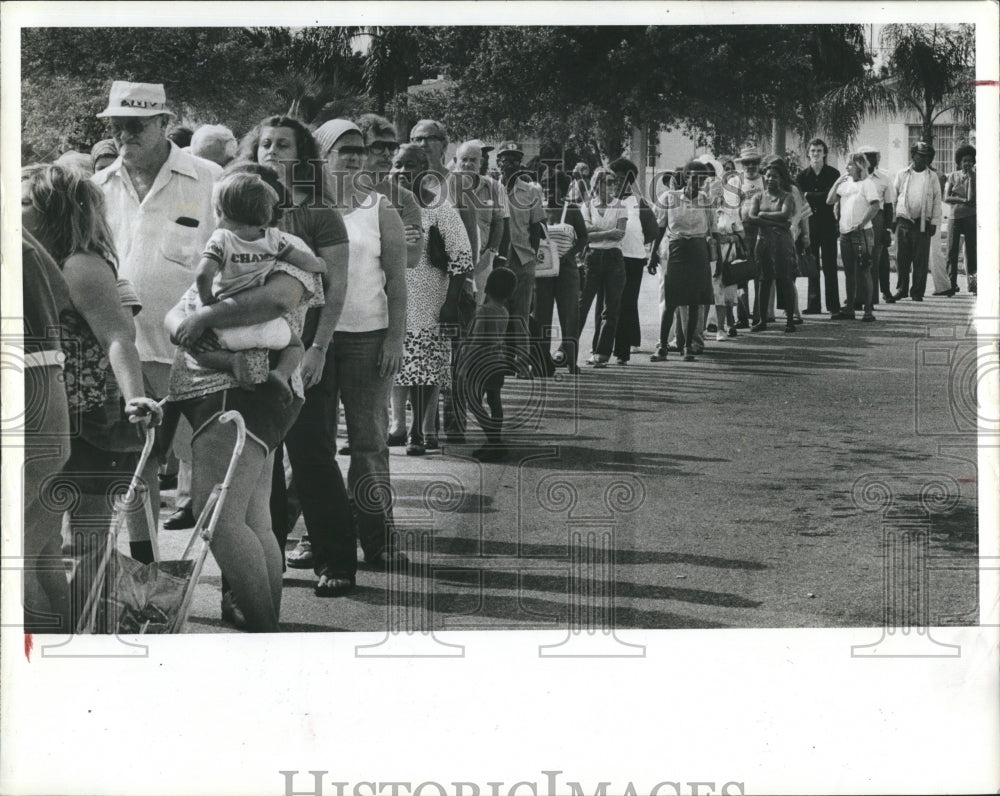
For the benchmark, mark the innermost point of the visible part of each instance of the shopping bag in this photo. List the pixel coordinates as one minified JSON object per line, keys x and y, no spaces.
{"x":547,"y":264}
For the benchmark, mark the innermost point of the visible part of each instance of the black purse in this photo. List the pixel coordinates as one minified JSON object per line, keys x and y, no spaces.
{"x":807,"y":265}
{"x":437,"y":255}
{"x":737,"y":267}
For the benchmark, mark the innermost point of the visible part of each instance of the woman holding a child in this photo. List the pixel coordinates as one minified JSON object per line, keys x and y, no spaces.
{"x":249,"y":552}
{"x":203,"y":386}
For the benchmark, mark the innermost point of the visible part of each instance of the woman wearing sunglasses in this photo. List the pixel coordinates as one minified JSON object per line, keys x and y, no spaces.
{"x":381,"y":140}
{"x":365,"y":353}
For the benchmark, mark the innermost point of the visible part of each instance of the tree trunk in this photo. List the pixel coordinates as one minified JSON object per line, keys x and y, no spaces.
{"x":928,"y":128}
{"x":778,"y":145}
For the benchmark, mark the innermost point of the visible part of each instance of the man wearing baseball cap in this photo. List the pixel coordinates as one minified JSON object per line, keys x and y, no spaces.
{"x":159,"y":208}
{"x":918,"y":213}
{"x":882,"y":225}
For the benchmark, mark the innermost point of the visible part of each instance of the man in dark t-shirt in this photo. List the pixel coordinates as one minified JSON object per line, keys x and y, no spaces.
{"x":815,"y":181}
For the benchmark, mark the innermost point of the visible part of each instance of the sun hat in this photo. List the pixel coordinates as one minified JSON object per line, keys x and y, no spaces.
{"x":750,"y":153}
{"x":711,"y":161}
{"x":328,"y":133}
{"x":136,"y":99}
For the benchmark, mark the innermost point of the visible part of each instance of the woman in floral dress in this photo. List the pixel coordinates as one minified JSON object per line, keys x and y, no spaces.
{"x":432,"y":293}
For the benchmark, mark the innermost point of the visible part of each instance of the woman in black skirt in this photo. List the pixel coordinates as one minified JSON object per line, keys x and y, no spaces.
{"x":684,"y":216}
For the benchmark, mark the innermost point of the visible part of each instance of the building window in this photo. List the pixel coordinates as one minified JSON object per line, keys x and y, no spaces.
{"x":652,"y":152}
{"x":947,"y":138}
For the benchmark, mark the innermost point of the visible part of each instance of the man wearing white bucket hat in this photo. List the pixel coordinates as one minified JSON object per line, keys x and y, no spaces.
{"x":159,"y":208}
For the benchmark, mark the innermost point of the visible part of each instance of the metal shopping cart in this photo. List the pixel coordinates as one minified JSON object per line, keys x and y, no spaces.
{"x":127,"y":597}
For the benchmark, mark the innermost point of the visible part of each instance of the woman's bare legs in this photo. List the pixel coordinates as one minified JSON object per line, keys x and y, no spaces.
{"x":246,"y":555}
{"x":259,"y":520}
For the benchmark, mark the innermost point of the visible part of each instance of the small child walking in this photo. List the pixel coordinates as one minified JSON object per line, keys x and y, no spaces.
{"x":241,"y":254}
{"x":481,"y":362}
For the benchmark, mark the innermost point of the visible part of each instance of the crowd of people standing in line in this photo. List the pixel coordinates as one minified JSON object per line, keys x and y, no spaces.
{"x":384,"y":281}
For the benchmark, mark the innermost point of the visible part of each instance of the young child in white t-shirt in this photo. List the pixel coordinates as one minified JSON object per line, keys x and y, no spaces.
{"x":241,"y":254}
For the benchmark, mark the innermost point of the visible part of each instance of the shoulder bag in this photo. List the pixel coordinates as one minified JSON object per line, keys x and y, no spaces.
{"x":547,"y":264}
{"x":737,"y":267}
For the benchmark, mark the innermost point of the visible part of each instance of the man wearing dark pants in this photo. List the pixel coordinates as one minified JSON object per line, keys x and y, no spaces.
{"x":881,"y":226}
{"x":815,"y":182}
{"x":520,"y":246}
{"x":918,"y":212}
{"x":960,"y":193}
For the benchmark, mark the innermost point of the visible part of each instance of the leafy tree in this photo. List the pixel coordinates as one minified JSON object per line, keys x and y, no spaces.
{"x":585,"y":87}
{"x":928,"y":69}
{"x":741,"y":83}
{"x":229,"y":75}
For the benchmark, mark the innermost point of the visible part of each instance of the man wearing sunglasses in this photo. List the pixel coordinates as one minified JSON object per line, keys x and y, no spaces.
{"x":381,"y":143}
{"x":158,"y":202}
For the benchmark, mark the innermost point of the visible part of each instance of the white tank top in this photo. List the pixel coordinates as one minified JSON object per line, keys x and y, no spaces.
{"x":633,"y":245}
{"x":366,"y":307}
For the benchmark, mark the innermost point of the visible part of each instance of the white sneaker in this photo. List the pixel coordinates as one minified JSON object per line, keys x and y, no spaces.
{"x":720,"y":336}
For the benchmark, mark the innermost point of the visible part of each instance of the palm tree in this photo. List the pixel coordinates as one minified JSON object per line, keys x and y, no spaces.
{"x":317,"y":72}
{"x":928,"y":69}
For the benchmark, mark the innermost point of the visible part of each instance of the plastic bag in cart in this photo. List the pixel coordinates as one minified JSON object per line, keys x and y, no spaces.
{"x":144,"y":598}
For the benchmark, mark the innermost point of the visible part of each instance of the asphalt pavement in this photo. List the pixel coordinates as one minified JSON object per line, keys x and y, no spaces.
{"x":758,"y":486}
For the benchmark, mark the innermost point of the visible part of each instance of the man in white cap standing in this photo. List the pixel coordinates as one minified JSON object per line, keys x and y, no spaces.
{"x":751,"y":184}
{"x":159,"y":208}
{"x":882,"y":224}
{"x":918,"y":214}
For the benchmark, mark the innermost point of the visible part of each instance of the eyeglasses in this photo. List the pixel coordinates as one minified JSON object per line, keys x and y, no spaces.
{"x":383,"y":147}
{"x":130,"y":126}
{"x":347,"y":151}
{"x":419,"y":139}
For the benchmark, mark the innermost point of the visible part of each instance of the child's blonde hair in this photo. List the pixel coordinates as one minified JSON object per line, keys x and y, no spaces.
{"x":245,"y":199}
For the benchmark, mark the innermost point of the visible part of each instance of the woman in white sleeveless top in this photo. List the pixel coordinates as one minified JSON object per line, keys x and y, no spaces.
{"x":367,"y":351}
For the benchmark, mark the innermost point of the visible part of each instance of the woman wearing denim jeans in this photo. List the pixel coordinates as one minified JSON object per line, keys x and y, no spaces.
{"x":605,"y":219}
{"x":366,"y":350}
{"x":859,"y":202}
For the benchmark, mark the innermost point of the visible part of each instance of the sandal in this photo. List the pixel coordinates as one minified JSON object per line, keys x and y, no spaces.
{"x":301,"y":557}
{"x":329,"y":585}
